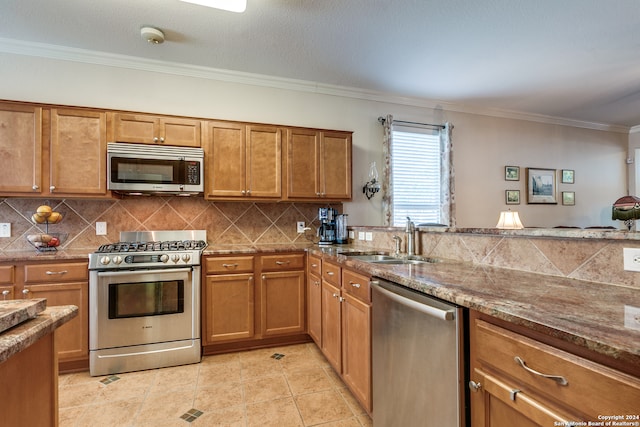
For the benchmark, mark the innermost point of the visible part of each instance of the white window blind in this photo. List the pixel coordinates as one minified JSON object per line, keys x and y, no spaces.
{"x":415,"y":176}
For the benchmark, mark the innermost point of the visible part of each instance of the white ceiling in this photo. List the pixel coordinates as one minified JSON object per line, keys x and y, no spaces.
{"x":573,"y":59}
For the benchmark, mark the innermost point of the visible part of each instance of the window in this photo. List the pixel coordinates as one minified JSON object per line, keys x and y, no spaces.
{"x":418,"y":173}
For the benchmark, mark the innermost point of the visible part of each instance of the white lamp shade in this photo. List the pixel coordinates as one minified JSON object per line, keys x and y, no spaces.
{"x":509,"y":220}
{"x":238,"y":6}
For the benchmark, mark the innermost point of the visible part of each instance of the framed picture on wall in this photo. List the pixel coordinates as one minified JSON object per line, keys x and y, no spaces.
{"x":567,"y":176}
{"x":569,"y":198}
{"x":541,"y":186}
{"x":512,"y":197}
{"x":512,"y":173}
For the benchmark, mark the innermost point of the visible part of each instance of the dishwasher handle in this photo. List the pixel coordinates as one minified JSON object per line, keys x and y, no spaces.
{"x":424,"y":308}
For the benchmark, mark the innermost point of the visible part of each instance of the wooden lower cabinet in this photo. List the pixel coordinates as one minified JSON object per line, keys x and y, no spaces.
{"x":345,"y":306}
{"x":61,"y":283}
{"x":314,"y":299}
{"x":544,"y":386}
{"x":252,"y":301}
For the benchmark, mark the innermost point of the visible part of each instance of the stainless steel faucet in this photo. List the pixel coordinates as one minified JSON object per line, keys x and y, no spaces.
{"x":410,"y":231}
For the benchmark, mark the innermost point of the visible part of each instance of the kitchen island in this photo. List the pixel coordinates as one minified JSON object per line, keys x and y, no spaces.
{"x":29,"y":369}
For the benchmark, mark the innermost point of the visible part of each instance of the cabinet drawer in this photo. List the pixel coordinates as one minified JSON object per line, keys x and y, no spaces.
{"x":314,"y":265}
{"x":225,"y":265}
{"x":590,"y":387}
{"x":282,"y":262}
{"x":7,"y":274}
{"x":331,"y":273}
{"x":357,"y":285}
{"x":56,"y":272}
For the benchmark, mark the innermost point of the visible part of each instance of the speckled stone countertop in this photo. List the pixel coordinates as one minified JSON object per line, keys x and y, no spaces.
{"x":587,"y":314}
{"x":14,"y":312}
{"x":16,"y":256}
{"x":23,"y":335}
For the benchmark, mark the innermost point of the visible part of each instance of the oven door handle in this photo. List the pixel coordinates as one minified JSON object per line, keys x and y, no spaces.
{"x":130,"y":272}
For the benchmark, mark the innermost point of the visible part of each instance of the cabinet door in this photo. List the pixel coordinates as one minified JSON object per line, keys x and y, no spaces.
{"x":72,"y":339}
{"x":229,"y":307}
{"x":335,"y":168}
{"x":331,"y":325}
{"x":78,"y":152}
{"x":264,"y":162}
{"x":181,"y":132}
{"x":140,"y":128}
{"x":225,"y":160}
{"x":303,"y":175}
{"x":314,"y":308}
{"x":20,"y":149}
{"x":496,"y":405}
{"x":356,"y":348}
{"x":282,"y":302}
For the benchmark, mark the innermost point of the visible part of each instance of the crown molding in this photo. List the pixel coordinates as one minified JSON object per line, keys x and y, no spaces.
{"x":64,"y":53}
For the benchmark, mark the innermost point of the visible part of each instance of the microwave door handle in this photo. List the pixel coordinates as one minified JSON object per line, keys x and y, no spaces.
{"x":130,"y":272}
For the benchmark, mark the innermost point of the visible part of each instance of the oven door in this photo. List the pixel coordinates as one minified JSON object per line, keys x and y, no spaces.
{"x":142,"y":307}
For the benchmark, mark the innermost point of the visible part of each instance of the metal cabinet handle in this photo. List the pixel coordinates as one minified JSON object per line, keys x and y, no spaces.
{"x":355,"y":285}
{"x":474,"y":386}
{"x":53,"y":273}
{"x":557,"y":378}
{"x":229,"y":265}
{"x":35,"y":187}
{"x":25,"y":292}
{"x":155,"y":139}
{"x":283,"y":262}
{"x":5,"y":293}
{"x":161,"y":139}
{"x":52,"y":188}
{"x":330,"y":273}
{"x":314,"y":265}
{"x":264,"y":277}
{"x":335,"y":295}
{"x":317,"y":283}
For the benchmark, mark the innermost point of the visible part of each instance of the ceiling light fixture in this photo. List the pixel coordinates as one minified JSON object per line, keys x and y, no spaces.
{"x":230,"y":5}
{"x":152,"y":35}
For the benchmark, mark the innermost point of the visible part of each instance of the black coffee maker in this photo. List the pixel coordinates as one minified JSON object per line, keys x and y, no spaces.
{"x":327,"y":229}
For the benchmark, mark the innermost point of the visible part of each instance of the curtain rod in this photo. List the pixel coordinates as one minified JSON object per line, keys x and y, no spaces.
{"x":382,"y":120}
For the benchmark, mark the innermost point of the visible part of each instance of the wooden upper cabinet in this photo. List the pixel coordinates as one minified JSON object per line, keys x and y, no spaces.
{"x":78,"y":152}
{"x":318,"y":165}
{"x":20,"y":149}
{"x":243,"y":161}
{"x":151,"y":129}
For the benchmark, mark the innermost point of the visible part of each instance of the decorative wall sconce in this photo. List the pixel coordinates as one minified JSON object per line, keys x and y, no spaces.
{"x":509,"y":221}
{"x":372,"y":186}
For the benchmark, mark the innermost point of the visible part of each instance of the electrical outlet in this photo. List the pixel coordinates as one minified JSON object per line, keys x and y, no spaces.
{"x":5,"y":229}
{"x":632,"y":317}
{"x":631,"y":259}
{"x":300,"y":226}
{"x":101,"y":228}
{"x":368,"y":236}
{"x":360,"y":235}
{"x":352,"y":234}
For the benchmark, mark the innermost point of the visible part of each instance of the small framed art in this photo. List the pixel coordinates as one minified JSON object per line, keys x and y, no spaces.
{"x":569,"y":198}
{"x":512,"y":197}
{"x":512,"y":173}
{"x":567,"y":176}
{"x":541,"y":186}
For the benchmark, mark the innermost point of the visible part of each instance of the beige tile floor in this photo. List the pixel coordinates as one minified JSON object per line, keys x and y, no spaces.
{"x":248,"y":388}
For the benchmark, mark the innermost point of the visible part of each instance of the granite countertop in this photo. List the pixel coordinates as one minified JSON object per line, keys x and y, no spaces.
{"x":23,"y":335}
{"x":587,"y":314}
{"x":32,"y":255}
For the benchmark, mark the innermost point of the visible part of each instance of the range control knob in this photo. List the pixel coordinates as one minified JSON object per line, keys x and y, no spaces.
{"x":175,"y":257}
{"x":186,"y":257}
{"x":105,"y":260}
{"x":117,"y":259}
{"x":164,"y":258}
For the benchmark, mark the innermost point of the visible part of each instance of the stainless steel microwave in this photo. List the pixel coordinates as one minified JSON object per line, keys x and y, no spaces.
{"x":153,"y":169}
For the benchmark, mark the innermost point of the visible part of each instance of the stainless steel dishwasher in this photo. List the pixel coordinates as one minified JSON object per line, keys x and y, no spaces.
{"x":419,"y":371}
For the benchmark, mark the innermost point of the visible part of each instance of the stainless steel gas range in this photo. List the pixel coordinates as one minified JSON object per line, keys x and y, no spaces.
{"x":144,"y":301}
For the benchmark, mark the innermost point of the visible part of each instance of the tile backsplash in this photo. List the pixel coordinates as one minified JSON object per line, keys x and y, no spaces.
{"x":225,"y":222}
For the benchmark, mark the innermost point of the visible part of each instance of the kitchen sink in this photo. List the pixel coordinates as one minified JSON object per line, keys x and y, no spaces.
{"x":389,"y":259}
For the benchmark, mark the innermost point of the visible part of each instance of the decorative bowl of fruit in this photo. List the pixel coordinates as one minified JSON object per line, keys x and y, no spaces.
{"x":46,"y":241}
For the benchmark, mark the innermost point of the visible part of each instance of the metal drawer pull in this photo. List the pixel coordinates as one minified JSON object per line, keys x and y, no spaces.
{"x":512,"y":394}
{"x":557,"y":378}
{"x":355,"y":285}
{"x":229,"y":265}
{"x":52,"y":273}
{"x":329,"y":273}
{"x":474,"y":386}
{"x":282,"y":262}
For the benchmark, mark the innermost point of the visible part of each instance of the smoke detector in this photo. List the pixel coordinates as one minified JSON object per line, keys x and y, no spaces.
{"x":152,"y":35}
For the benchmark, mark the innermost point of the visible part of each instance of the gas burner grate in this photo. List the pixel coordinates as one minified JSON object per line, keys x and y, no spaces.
{"x":169,"y":245}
